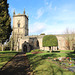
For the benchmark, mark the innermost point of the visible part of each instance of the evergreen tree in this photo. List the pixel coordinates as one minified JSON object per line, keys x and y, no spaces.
{"x":50,"y":41}
{"x":5,"y":21}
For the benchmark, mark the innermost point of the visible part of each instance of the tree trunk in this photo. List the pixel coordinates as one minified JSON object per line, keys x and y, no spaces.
{"x":17,"y":47}
{"x":74,"y":51}
{"x":50,"y":49}
{"x":2,"y":47}
{"x":11,"y":46}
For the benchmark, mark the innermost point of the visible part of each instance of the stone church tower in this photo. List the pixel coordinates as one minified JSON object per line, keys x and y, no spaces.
{"x":20,"y":27}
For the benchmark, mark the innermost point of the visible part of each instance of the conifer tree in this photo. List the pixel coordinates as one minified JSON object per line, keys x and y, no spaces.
{"x":5,"y":21}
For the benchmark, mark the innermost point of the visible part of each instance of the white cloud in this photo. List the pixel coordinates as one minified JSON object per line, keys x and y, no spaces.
{"x":40,"y":27}
{"x":40,"y":12}
{"x":55,"y":28}
{"x":46,"y":2}
{"x":43,"y":10}
{"x":50,"y":6}
{"x":37,"y":27}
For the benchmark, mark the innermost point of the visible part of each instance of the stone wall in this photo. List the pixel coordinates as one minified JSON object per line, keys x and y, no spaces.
{"x":61,"y":42}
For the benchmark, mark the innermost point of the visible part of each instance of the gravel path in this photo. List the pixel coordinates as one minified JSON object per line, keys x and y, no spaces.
{"x":17,"y":66}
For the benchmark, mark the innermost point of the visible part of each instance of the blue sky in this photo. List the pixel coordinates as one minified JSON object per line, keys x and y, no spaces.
{"x":46,"y":16}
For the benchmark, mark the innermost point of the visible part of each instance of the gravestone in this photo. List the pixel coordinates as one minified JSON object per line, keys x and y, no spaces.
{"x":71,"y":69}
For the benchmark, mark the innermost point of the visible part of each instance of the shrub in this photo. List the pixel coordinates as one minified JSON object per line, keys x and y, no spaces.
{"x":6,"y":48}
{"x":42,"y":34}
{"x":50,"y":40}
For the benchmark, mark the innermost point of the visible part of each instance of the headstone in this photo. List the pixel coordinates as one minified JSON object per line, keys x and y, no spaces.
{"x":71,"y":69}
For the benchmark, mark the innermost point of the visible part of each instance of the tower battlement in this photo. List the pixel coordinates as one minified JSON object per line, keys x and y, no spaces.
{"x":16,"y":15}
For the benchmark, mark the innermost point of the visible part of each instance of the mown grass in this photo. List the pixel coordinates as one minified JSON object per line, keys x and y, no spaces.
{"x":66,"y":50}
{"x":41,"y":65}
{"x":5,"y":56}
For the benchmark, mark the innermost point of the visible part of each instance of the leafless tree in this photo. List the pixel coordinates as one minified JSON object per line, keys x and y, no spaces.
{"x":70,"y":39}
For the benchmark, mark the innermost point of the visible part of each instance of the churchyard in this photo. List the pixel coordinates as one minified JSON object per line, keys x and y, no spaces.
{"x":43,"y":62}
{"x":55,"y":63}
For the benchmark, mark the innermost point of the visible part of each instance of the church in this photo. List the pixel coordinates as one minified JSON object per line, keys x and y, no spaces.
{"x":21,"y":39}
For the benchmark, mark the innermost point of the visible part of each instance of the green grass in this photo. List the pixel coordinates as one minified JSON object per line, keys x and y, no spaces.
{"x":5,"y":56}
{"x":41,"y":65}
{"x":66,"y":50}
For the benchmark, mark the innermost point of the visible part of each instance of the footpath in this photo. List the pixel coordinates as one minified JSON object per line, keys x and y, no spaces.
{"x":19,"y":65}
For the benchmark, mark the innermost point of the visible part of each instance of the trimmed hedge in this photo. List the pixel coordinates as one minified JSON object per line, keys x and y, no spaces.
{"x":50,"y":40}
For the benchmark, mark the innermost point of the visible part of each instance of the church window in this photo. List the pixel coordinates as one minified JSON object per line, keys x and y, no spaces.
{"x":18,"y":25}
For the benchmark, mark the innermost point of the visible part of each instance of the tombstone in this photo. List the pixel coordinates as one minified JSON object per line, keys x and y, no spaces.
{"x":71,"y":69}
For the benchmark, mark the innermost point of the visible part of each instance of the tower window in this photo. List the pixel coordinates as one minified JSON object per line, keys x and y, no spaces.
{"x":18,"y":25}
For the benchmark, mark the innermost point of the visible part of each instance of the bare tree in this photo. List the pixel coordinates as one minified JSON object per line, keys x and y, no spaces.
{"x":70,"y":39}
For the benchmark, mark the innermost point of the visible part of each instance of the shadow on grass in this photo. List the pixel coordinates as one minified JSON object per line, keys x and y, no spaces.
{"x":50,"y":71}
{"x":3,"y":59}
{"x":71,"y":54}
{"x":48,"y":55}
{"x":39,"y":59}
{"x":55,"y":51}
{"x":6,"y":56}
{"x":21,"y":70}
{"x":6,"y":52}
{"x":18,"y":66}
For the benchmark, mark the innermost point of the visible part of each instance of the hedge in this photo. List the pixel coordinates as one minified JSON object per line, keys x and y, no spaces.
{"x":50,"y":40}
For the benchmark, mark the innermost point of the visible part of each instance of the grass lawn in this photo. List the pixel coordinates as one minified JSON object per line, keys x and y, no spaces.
{"x":66,"y":50}
{"x":5,"y":56}
{"x":42,"y":65}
